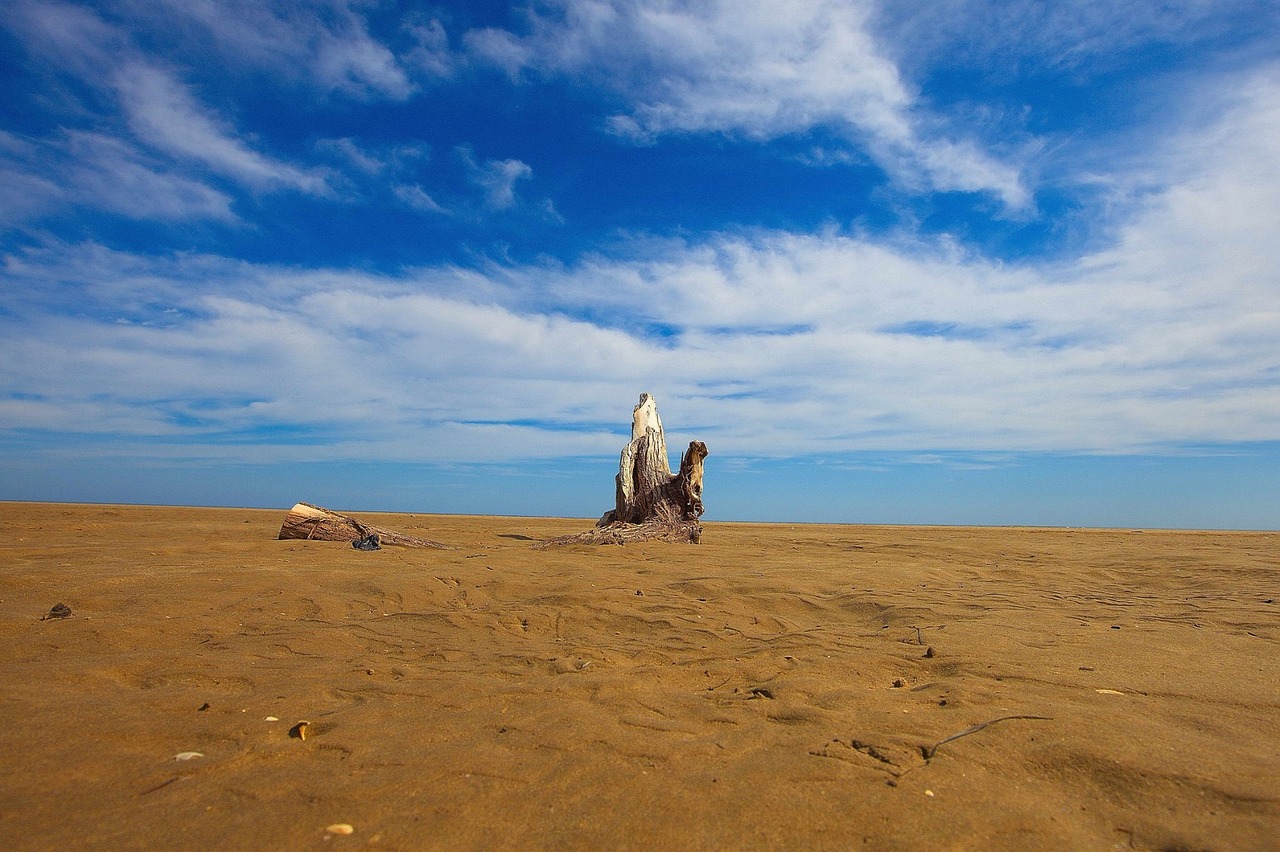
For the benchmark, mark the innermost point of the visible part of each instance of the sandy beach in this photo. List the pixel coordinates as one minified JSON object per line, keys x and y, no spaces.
{"x":775,"y":687}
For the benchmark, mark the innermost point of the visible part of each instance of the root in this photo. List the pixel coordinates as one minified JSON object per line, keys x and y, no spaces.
{"x":667,"y":525}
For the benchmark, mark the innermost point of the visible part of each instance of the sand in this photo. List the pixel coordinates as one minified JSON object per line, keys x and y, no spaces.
{"x":776,"y":687}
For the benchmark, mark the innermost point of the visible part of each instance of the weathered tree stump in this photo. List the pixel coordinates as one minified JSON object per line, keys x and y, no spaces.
{"x":651,"y":502}
{"x":313,"y":523}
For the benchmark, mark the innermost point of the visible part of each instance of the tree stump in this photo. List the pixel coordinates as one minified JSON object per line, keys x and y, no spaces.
{"x":313,"y":523}
{"x":650,"y":502}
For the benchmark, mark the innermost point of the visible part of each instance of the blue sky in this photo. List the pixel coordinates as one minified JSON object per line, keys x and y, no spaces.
{"x":956,"y":262}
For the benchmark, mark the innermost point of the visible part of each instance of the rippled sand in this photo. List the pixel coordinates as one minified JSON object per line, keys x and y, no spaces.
{"x":790,"y":687}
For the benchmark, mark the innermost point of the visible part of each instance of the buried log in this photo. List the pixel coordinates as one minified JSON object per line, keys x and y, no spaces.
{"x":313,"y":523}
{"x":650,"y":502}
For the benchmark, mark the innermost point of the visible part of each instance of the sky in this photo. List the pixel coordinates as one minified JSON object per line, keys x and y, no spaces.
{"x":959,"y":262}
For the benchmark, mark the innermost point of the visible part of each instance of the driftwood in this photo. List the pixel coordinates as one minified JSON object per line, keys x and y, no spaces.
{"x":313,"y":523}
{"x":650,"y":502}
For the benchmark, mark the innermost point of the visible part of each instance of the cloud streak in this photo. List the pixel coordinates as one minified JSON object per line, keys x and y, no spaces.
{"x":91,"y":170}
{"x":107,"y":167}
{"x":1080,"y":38}
{"x":163,"y":114}
{"x":497,"y":178}
{"x":324,"y":47}
{"x":761,"y":70}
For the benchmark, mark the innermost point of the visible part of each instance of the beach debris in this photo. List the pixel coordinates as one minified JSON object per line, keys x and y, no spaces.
{"x":187,"y":755}
{"x":650,"y":502}
{"x":894,"y":758}
{"x":929,"y":751}
{"x":369,"y":542}
{"x":59,"y":610}
{"x":313,"y":523}
{"x":340,"y":828}
{"x":162,"y":785}
{"x":299,"y":731}
{"x":1108,"y":692}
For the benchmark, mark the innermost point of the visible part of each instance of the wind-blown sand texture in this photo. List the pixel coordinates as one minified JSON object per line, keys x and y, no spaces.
{"x":738,"y":694}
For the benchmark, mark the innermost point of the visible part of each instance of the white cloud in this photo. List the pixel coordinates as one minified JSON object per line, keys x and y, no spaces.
{"x":497,"y":178}
{"x":78,"y":169}
{"x":361,"y":65}
{"x":323,"y":45}
{"x":763,"y":70}
{"x":430,"y":53}
{"x":765,"y":342}
{"x":1079,"y":38}
{"x":349,"y":152}
{"x":417,"y":198}
{"x":164,"y":114}
{"x":501,"y":48}
{"x":67,"y":35}
{"x":116,"y":176}
{"x":25,"y":188}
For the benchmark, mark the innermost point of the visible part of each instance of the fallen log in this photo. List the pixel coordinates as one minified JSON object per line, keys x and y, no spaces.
{"x":650,"y":502}
{"x":312,"y":523}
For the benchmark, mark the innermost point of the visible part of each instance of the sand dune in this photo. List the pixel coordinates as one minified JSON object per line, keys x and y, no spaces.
{"x":776,"y":687}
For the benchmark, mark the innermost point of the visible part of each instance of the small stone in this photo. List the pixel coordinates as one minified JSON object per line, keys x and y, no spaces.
{"x":899,"y":683}
{"x":59,"y":611}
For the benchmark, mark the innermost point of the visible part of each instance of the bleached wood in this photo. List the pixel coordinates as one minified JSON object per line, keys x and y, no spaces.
{"x":314,"y":523}
{"x":650,"y":502}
